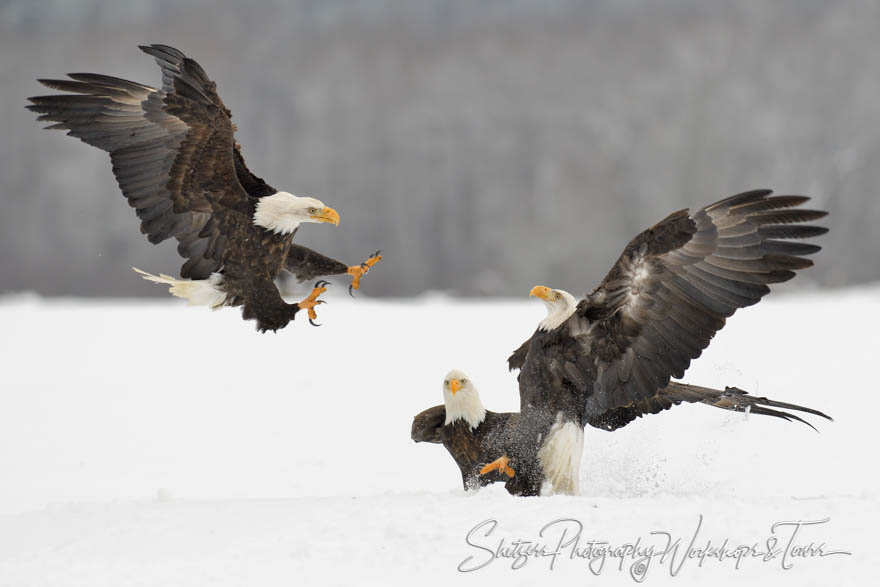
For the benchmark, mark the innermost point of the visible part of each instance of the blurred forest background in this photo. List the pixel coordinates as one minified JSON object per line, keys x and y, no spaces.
{"x":484,"y":145}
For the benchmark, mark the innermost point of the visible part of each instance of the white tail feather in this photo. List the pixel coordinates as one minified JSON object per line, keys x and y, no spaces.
{"x":560,"y":456}
{"x":199,"y":292}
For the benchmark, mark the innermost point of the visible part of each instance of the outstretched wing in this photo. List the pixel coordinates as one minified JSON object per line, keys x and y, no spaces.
{"x":253,"y":185}
{"x":675,"y":285}
{"x":172,"y":150}
{"x":731,"y":398}
{"x":427,"y":425}
{"x":518,"y":357}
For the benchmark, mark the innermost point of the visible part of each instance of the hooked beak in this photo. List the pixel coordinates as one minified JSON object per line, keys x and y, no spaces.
{"x":327,"y":214}
{"x":454,"y":386}
{"x":543,"y":292}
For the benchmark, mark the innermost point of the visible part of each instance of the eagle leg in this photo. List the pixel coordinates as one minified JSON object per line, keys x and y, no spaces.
{"x":359,"y":271}
{"x":500,"y":465}
{"x":312,"y":300}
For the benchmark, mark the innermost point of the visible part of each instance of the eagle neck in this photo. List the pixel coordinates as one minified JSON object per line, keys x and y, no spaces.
{"x":464,"y":406}
{"x":278,"y":213}
{"x":558,"y":311}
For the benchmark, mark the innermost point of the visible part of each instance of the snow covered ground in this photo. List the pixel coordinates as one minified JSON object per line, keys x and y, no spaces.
{"x":149,"y":443}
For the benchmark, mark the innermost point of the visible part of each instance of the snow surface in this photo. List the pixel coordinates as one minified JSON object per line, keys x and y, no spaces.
{"x":150,"y":443}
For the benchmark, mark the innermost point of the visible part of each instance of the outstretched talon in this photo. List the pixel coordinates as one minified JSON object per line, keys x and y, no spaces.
{"x":312,"y":300}
{"x":500,"y":465}
{"x":360,"y":270}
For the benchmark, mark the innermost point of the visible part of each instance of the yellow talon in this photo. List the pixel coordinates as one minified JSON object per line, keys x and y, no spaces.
{"x":500,"y":465}
{"x":312,"y":300}
{"x":359,"y":271}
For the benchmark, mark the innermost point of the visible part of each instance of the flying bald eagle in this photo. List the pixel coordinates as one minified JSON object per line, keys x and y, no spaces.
{"x":472,"y":434}
{"x":176,"y":161}
{"x":608,"y":358}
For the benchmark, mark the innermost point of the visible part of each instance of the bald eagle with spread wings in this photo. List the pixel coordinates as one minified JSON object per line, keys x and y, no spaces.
{"x":176,"y":160}
{"x":608,"y":358}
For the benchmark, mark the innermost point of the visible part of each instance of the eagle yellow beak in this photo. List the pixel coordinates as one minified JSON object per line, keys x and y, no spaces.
{"x":543,"y":292}
{"x":328,"y":214}
{"x":454,"y":385}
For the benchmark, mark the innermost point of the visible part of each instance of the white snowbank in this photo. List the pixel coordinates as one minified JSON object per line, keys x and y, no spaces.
{"x":148,"y":443}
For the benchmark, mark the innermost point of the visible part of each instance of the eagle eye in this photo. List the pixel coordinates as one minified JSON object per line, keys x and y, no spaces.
{"x":312,"y":210}
{"x":558,"y":295}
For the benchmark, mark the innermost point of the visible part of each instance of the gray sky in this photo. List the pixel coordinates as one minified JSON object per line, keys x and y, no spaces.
{"x":485,"y":146}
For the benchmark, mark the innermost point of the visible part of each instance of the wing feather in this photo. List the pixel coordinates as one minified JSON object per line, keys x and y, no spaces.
{"x":427,"y":425}
{"x":676,"y":393}
{"x":172,"y":150}
{"x":673,"y":288}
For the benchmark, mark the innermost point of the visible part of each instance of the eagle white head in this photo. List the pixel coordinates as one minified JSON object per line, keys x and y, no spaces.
{"x":283,"y":212}
{"x":462,"y":400}
{"x":560,"y":305}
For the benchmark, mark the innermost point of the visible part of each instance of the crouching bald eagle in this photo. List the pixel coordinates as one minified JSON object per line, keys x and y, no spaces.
{"x":176,"y":161}
{"x":472,"y":434}
{"x":608,"y":358}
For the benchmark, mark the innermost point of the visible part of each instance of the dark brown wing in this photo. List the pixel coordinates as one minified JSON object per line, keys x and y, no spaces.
{"x":731,"y":398}
{"x":253,"y":185}
{"x":427,"y":425}
{"x":172,"y":151}
{"x":518,"y":357}
{"x":674,"y":286}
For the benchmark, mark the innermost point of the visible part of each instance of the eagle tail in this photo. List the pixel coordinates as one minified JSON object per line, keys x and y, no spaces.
{"x":739,"y":400}
{"x":560,"y":456}
{"x":199,"y":292}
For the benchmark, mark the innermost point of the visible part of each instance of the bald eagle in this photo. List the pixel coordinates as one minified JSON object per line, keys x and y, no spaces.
{"x":472,"y":434}
{"x":608,"y":358}
{"x":177,"y":162}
